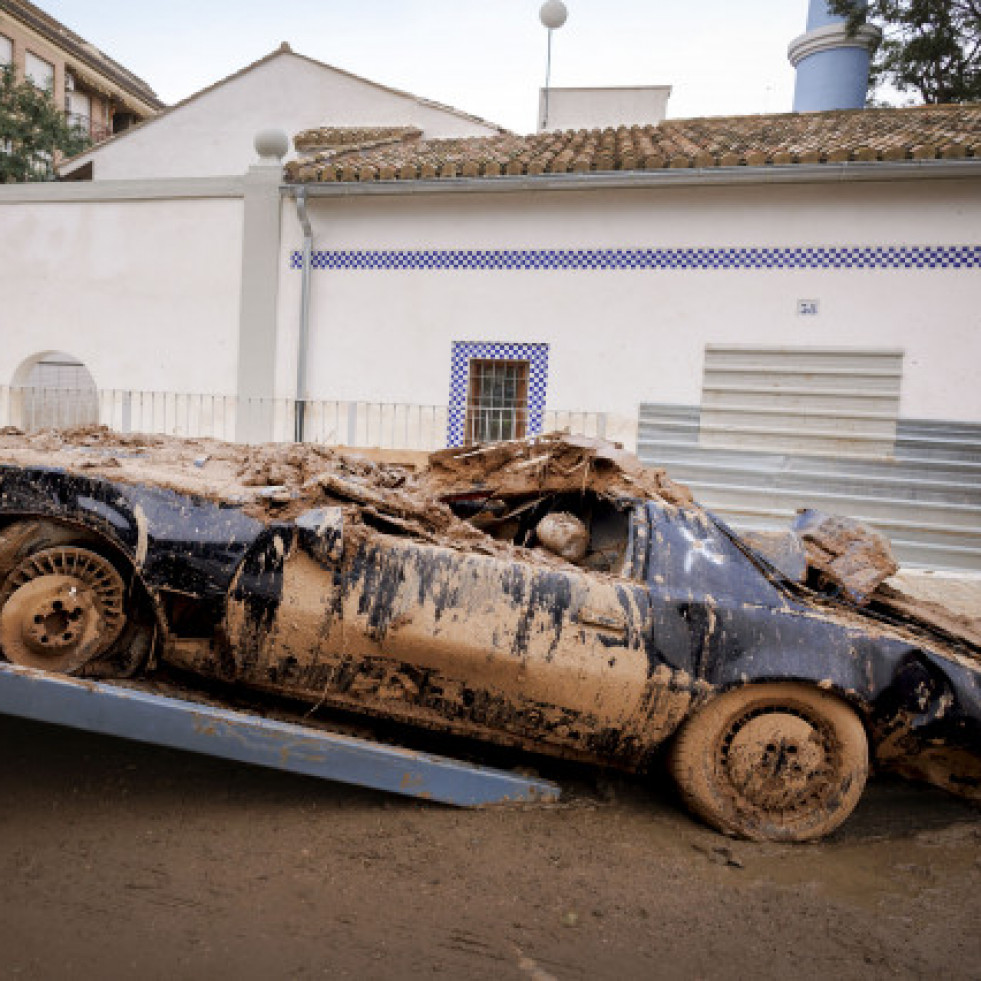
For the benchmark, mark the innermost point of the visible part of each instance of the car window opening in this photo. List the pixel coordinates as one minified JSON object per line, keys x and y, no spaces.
{"x":582,"y":528}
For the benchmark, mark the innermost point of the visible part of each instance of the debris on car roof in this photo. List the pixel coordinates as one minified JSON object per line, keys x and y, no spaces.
{"x":554,"y":463}
{"x":275,"y":482}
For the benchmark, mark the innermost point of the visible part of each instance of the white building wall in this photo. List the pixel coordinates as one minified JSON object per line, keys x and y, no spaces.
{"x":144,"y":292}
{"x":144,"y":288}
{"x":212,"y":133}
{"x":621,"y":337}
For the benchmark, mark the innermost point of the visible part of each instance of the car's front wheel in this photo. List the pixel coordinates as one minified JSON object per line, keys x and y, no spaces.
{"x":774,"y":762}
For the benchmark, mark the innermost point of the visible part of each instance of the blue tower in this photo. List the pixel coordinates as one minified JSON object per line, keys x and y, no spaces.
{"x":832,"y":67}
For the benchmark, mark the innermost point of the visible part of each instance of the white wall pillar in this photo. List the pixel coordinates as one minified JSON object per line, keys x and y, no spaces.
{"x":260,"y":291}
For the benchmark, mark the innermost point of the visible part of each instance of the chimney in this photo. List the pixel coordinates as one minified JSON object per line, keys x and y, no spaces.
{"x":599,"y":108}
{"x":832,"y":66}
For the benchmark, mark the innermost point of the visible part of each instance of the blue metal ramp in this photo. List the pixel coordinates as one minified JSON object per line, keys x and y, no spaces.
{"x":150,"y":718}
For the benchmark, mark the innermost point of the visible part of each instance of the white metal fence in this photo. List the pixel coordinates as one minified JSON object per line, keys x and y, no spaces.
{"x":362,"y":424}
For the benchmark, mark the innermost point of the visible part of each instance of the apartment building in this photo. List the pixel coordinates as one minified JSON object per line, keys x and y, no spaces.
{"x":99,"y":95}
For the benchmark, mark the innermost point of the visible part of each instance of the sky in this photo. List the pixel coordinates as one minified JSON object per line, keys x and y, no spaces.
{"x":488,"y":58}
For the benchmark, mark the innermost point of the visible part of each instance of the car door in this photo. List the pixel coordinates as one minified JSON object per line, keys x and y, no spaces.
{"x":499,"y":642}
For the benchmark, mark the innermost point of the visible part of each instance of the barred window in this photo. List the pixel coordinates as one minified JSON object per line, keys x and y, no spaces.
{"x":497,"y":400}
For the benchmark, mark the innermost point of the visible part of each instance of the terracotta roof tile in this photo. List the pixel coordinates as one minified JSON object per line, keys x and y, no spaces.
{"x":352,"y":138}
{"x":920,"y":133}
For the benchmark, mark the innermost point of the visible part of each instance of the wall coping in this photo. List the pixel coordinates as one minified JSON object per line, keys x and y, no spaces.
{"x":61,"y":192}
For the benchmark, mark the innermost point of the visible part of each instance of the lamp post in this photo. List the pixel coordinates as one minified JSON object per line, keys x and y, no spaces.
{"x":552,"y":15}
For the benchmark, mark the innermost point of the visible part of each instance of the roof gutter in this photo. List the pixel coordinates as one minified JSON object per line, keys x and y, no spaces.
{"x":829,"y":173}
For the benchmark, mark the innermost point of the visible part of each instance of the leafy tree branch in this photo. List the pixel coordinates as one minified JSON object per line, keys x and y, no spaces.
{"x":930,"y":47}
{"x":33,"y":131}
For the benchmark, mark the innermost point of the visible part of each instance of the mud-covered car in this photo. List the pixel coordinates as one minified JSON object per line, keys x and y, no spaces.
{"x":436,"y":605}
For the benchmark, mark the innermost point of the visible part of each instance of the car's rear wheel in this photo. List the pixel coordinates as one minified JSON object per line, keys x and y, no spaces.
{"x":60,"y":608}
{"x":776,"y":762}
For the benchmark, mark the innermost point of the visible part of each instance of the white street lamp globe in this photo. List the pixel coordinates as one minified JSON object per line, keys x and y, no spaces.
{"x":553,"y":14}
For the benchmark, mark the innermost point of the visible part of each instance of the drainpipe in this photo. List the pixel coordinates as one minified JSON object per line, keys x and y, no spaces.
{"x":304,"y":335}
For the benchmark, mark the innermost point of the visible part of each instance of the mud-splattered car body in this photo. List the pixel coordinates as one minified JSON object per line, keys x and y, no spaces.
{"x":598,"y":666}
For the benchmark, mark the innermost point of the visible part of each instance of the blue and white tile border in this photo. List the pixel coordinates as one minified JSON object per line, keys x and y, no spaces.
{"x":466,"y":351}
{"x":817,"y":257}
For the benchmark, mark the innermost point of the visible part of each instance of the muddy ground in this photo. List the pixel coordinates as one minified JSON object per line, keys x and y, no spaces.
{"x":119,"y":861}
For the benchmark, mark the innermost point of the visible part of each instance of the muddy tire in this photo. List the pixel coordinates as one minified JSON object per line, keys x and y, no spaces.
{"x":779,"y":762}
{"x":62,"y":607}
{"x":66,"y":606}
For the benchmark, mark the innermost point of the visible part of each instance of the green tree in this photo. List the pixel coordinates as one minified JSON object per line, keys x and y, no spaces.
{"x":931,"y":47}
{"x":33,"y":132}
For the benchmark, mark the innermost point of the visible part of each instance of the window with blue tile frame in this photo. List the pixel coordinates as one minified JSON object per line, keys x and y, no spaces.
{"x":466,"y":353}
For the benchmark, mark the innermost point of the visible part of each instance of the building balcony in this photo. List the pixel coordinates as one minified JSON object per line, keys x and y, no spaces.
{"x":96,"y":132}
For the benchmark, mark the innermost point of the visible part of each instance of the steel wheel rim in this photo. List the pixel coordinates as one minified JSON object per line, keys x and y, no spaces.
{"x":780,"y":761}
{"x":61,"y":607}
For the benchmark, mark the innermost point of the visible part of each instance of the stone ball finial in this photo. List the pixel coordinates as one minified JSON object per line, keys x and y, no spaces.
{"x":271,"y":144}
{"x":553,"y":14}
